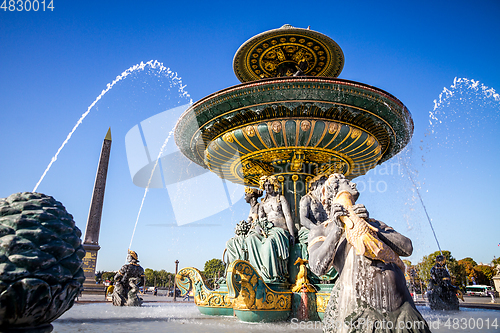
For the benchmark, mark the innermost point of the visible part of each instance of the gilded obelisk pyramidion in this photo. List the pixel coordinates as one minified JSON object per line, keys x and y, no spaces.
{"x":91,"y":240}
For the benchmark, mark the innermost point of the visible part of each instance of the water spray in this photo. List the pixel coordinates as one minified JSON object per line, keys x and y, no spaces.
{"x":149,"y":183}
{"x":152,"y":64}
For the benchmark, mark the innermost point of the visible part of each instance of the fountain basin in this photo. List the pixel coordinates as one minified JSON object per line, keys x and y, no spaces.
{"x":293,"y":125}
{"x":184,"y":317}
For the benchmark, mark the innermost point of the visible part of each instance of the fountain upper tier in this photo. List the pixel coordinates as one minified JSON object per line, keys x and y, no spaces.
{"x":300,"y":126}
{"x":291,"y":117}
{"x":288,"y":51}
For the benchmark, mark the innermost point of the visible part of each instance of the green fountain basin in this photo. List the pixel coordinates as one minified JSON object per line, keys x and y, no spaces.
{"x":296,"y":127}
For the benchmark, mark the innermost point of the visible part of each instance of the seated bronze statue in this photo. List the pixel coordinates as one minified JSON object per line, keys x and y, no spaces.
{"x":371,"y":288}
{"x":267,"y":243}
{"x":442,"y":294}
{"x":127,"y":282}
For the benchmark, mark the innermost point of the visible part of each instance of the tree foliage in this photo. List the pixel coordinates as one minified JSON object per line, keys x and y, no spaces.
{"x":468,"y":265}
{"x":160,"y":278}
{"x":484,"y":274}
{"x":213,"y":269}
{"x":108,"y":276}
{"x":477,"y":274}
{"x":103,"y":276}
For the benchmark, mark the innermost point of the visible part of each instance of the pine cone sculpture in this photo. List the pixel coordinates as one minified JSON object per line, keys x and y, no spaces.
{"x":40,"y":260}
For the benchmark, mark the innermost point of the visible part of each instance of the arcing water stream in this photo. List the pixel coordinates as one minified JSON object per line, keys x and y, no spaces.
{"x":461,"y":119}
{"x":154,"y":64}
{"x":149,"y":183}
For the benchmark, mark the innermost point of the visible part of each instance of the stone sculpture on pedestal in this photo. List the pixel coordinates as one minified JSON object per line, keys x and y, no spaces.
{"x":266,"y":245}
{"x":442,"y":294}
{"x":127,"y":282}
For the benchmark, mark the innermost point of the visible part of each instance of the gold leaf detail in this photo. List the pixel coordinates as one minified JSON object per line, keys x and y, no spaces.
{"x":305,"y":125}
{"x":271,"y":156}
{"x":250,"y":130}
{"x":333,"y":128}
{"x":228,"y":137}
{"x":355,"y":133}
{"x":276,"y":126}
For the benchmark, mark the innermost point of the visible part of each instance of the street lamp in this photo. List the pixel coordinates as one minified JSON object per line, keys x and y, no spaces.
{"x":175,"y":279}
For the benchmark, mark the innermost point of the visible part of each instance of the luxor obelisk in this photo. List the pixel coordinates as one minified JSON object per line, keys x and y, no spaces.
{"x":91,"y":240}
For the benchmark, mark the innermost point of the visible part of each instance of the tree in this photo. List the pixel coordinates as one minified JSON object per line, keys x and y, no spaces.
{"x":160,"y":278}
{"x":485,"y":273}
{"x":150,"y":277}
{"x":468,"y":265}
{"x":457,"y":272}
{"x":108,"y":276}
{"x":213,"y":269}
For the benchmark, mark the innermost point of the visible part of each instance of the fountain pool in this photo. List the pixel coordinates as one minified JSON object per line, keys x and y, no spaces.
{"x":185,"y":317}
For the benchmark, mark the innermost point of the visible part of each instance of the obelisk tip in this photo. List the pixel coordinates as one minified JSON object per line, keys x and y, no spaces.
{"x":108,"y":135}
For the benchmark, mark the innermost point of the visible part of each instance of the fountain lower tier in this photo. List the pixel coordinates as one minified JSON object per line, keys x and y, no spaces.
{"x":247,"y":296}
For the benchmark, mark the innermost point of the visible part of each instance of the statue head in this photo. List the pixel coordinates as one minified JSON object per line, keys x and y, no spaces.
{"x":441,"y":260}
{"x":252,"y":193}
{"x":268,"y":183}
{"x":132,"y":257}
{"x":337,"y":183}
{"x":334,"y":185}
{"x":317,"y":182}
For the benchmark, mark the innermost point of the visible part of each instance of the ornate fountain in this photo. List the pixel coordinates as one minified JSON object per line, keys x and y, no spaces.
{"x":292,"y":118}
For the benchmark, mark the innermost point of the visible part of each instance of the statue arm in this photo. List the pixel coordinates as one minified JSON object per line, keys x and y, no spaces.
{"x":304,"y":212}
{"x":288,"y":216}
{"x":400,"y":244}
{"x":262,"y":213}
{"x":118,"y":276}
{"x":321,"y":258}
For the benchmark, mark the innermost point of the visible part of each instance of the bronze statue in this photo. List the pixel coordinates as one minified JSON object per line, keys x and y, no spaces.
{"x":274,"y":207}
{"x":127,"y":282}
{"x":371,"y":289}
{"x":311,"y":209}
{"x":442,"y":294}
{"x":266,"y":244}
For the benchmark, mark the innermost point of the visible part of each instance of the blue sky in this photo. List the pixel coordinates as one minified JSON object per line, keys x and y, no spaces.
{"x":53,"y":65}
